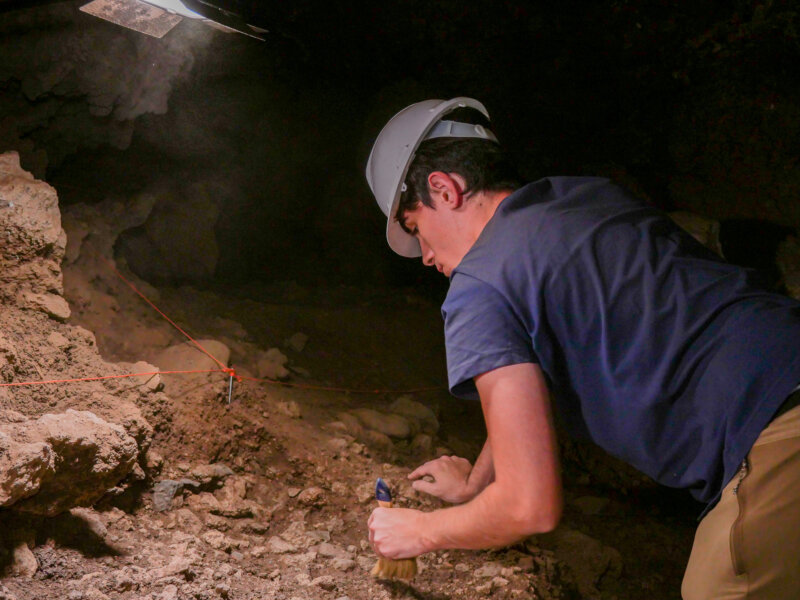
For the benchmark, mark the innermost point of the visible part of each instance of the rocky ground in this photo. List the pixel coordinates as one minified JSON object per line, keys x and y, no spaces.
{"x":177,"y":486}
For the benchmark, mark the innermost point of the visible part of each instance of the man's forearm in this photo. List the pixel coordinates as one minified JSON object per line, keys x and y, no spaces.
{"x":482,"y":473}
{"x":526,"y":495}
{"x":493,"y":518}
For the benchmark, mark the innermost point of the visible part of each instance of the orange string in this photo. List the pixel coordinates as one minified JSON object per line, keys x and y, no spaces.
{"x":175,"y":325}
{"x":229,"y":371}
{"x":98,"y":378}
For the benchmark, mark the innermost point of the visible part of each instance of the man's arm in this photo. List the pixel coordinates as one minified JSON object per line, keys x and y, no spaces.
{"x":455,"y":480}
{"x":525,"y":497}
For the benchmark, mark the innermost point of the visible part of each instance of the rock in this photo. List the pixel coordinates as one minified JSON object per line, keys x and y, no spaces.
{"x":343,"y":564}
{"x":407,"y":407}
{"x":130,"y":418}
{"x":377,"y":440}
{"x":186,"y":356}
{"x":59,"y":341}
{"x":244,"y":509}
{"x":203,"y":502}
{"x":365,"y":492}
{"x":485,"y":589}
{"x":170,"y":592}
{"x":232,"y":501}
{"x":91,"y":520}
{"x":33,"y":243}
{"x":154,"y":461}
{"x":351,"y":423}
{"x":365,"y":563}
{"x":326,"y":582}
{"x":211,"y":476}
{"x":23,"y":467}
{"x":234,"y":490}
{"x":312,"y":496}
{"x":165,"y":491}
{"x":328,"y":550}
{"x":388,"y":424}
{"x":340,"y":488}
{"x":24,"y":563}
{"x":11,"y":416}
{"x":218,"y":540}
{"x":271,"y":364}
{"x":290,"y":408}
{"x":122,"y":580}
{"x":152,"y":383}
{"x":338,"y":444}
{"x":297,"y":342}
{"x":490,"y":569}
{"x":588,"y":559}
{"x":52,"y":305}
{"x":298,"y":536}
{"x":278,"y":545}
{"x":498,"y":582}
{"x":422,"y":444}
{"x":186,"y":520}
{"x":217,"y":522}
{"x":178,"y":565}
{"x":5,"y":594}
{"x":66,"y":460}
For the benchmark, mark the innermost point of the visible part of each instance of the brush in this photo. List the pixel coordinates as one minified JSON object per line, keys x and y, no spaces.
{"x":386,"y":568}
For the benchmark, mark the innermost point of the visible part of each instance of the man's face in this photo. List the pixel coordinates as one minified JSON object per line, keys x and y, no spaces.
{"x":440,"y":235}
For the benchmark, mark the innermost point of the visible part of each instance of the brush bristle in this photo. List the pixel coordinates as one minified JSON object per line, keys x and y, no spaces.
{"x":386,"y":568}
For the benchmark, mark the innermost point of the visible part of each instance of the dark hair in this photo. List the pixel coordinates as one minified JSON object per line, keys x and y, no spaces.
{"x":482,"y":163}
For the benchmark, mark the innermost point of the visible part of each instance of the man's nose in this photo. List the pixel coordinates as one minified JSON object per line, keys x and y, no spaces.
{"x":427,"y":254}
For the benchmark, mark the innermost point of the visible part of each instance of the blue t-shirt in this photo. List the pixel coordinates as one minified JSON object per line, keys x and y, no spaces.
{"x":657,"y":350}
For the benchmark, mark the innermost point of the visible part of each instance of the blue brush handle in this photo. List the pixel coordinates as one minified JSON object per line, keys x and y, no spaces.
{"x":382,"y":493}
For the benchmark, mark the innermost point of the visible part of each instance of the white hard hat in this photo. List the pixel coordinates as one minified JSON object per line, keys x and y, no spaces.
{"x":394,"y":150}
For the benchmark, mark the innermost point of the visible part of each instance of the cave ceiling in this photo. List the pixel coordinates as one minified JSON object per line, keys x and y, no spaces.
{"x":263,"y":143}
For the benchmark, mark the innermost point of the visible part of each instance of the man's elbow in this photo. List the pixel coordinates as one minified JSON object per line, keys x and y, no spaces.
{"x":537,"y":517}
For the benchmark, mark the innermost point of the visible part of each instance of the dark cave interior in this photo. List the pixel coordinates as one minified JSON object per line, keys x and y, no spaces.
{"x":253,"y":152}
{"x":228,"y":173}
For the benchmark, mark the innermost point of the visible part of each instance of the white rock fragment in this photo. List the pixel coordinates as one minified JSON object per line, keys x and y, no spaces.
{"x":278,"y":545}
{"x":290,"y":408}
{"x":389,"y":424}
{"x":297,"y":341}
{"x":411,"y":409}
{"x":24,"y":563}
{"x":272,"y":364}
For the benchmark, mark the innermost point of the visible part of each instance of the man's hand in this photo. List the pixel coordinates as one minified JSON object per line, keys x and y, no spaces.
{"x":450,"y":479}
{"x":397,"y":532}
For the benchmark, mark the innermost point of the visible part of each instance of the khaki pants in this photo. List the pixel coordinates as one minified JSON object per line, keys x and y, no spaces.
{"x":748,"y":545}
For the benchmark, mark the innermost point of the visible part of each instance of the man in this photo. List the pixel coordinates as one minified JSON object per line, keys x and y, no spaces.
{"x":566,"y":294}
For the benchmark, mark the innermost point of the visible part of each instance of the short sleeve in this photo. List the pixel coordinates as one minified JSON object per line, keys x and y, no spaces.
{"x":482,"y":333}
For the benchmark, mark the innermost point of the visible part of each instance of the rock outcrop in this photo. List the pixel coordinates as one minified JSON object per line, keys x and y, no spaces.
{"x":66,"y":443}
{"x":59,"y":461}
{"x":32,"y":244}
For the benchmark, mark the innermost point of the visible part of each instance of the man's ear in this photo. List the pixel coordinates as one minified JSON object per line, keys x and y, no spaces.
{"x":447,"y":188}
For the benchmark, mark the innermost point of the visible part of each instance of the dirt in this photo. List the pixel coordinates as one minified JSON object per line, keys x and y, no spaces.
{"x":273,"y":490}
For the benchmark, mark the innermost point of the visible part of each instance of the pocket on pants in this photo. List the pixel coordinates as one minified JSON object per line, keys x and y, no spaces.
{"x":737,"y":529}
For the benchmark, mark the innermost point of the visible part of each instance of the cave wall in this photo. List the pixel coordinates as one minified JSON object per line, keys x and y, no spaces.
{"x":254,"y":151}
